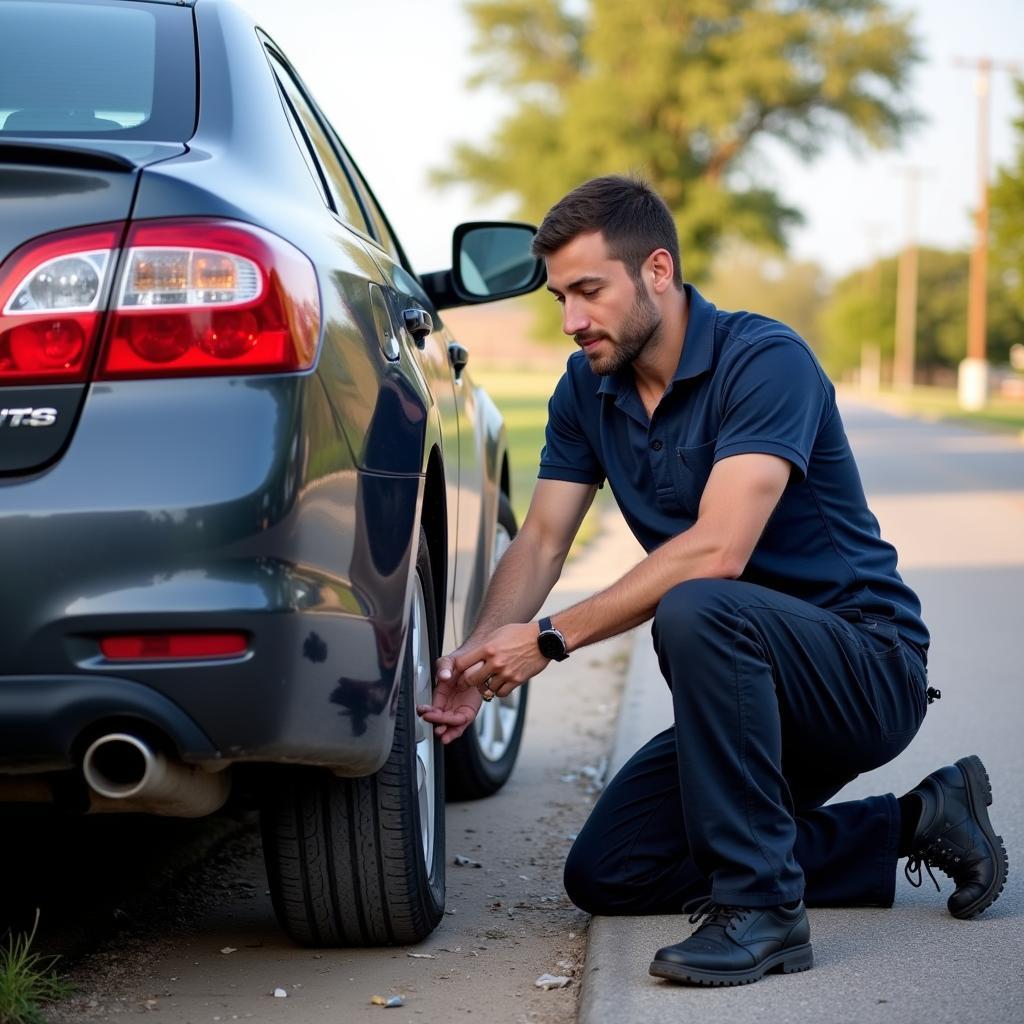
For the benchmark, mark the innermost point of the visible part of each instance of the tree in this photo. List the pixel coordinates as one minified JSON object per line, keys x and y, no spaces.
{"x":743,"y":277}
{"x":1006,"y":219}
{"x":862,"y":310}
{"x":681,"y":91}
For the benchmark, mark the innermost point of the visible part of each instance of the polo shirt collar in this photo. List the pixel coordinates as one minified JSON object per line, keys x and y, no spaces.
{"x":698,"y":346}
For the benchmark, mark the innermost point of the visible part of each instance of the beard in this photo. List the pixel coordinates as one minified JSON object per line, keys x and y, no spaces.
{"x":638,"y":326}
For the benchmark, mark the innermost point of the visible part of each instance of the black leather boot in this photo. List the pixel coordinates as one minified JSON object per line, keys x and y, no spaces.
{"x":737,"y":945}
{"x":954,"y":834}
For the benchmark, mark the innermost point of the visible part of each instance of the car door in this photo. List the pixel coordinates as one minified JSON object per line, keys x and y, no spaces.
{"x":444,"y":362}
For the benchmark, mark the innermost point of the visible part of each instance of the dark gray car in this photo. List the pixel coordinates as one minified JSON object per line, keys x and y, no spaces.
{"x":248,"y":490}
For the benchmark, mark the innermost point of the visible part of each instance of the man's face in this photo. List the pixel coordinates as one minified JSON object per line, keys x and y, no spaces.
{"x":603,"y":309}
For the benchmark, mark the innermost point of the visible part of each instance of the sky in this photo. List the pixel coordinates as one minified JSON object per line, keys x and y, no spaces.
{"x":390,"y":75}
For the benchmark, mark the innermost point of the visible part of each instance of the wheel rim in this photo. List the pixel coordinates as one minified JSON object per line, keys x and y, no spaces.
{"x":422,"y":684}
{"x":496,"y":722}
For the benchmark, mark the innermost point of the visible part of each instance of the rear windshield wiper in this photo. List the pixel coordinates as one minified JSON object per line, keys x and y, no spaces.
{"x":55,"y":152}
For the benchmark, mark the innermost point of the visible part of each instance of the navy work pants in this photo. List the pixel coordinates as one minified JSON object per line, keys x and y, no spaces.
{"x":778,"y":704}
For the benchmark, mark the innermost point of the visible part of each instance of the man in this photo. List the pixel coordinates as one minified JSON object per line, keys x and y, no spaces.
{"x":794,"y":651}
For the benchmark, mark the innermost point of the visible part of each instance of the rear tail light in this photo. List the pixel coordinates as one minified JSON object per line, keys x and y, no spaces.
{"x":173,"y":646}
{"x":52,"y":295}
{"x":193,"y":298}
{"x":210,"y":297}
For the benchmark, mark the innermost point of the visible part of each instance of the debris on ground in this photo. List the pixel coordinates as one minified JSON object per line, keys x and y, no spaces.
{"x":279,"y":993}
{"x":422,"y":956}
{"x":466,"y":862}
{"x":388,"y":1002}
{"x":549,"y":981}
{"x":229,"y":949}
{"x":596,"y":774}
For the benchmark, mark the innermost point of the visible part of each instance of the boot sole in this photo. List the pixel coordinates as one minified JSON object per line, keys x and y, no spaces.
{"x":785,"y":961}
{"x":979,"y":796}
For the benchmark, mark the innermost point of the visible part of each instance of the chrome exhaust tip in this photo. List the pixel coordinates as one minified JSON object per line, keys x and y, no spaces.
{"x":125,"y":774}
{"x":119,"y":766}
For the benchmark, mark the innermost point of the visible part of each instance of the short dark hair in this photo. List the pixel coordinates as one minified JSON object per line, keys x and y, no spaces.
{"x":631,"y":216}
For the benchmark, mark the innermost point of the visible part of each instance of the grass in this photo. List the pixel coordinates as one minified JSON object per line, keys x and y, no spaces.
{"x":522,"y":396}
{"x":27,"y":980}
{"x":1002,"y":414}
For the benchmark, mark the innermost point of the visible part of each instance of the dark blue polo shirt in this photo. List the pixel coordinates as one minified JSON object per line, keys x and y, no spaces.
{"x":745,"y":383}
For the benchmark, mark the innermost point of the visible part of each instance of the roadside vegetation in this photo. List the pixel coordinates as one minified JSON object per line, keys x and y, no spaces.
{"x":28,"y":980}
{"x":1001,"y":414}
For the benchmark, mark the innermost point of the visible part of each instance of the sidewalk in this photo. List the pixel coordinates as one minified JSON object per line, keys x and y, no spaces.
{"x":914,"y":963}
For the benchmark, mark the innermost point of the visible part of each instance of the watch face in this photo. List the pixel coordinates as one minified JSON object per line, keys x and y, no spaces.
{"x":550,"y":644}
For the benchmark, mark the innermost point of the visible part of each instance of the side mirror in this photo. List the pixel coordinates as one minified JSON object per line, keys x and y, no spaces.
{"x":490,"y":260}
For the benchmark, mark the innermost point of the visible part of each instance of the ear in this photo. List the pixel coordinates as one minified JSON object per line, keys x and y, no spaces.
{"x":659,"y":268}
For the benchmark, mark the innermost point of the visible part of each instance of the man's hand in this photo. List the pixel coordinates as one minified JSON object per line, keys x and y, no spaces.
{"x":452,"y":710}
{"x":506,"y":659}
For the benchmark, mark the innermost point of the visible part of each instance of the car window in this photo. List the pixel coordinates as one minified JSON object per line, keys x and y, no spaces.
{"x":101,"y":69}
{"x":382,"y":230}
{"x":307,"y":153}
{"x":345,"y":201}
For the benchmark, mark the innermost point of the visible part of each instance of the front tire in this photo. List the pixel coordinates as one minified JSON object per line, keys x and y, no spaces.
{"x":481,"y":760}
{"x":360,"y":862}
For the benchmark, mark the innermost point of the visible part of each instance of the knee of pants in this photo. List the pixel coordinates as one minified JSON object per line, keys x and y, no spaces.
{"x":581,"y":879}
{"x":687,"y":615}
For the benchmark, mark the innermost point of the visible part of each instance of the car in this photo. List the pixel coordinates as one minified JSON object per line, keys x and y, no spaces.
{"x":248,"y":488}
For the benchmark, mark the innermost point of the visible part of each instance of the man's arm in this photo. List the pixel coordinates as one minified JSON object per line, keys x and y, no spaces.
{"x":523,"y":579}
{"x":739,"y":498}
{"x":532,"y":564}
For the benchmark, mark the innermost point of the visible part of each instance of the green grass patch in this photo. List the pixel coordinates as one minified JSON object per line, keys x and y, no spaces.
{"x":27,"y":980}
{"x":1002,"y":414}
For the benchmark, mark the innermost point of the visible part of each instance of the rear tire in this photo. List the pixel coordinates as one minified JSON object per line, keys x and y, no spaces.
{"x":481,"y":760}
{"x":361,"y":862}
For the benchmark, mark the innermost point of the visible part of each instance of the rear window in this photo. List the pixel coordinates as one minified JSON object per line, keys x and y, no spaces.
{"x":105,"y":69}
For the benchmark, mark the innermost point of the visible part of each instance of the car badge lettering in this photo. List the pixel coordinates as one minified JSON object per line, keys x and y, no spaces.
{"x":27,"y":417}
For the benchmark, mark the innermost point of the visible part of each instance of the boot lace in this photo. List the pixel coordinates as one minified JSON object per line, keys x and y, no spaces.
{"x":934,"y":855}
{"x":712,"y":912}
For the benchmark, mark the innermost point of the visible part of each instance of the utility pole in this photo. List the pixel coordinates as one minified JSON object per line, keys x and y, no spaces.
{"x":972,"y":378}
{"x":906,"y":288}
{"x":870,"y":354}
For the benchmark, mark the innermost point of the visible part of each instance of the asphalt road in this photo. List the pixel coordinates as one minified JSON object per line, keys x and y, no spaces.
{"x":952,"y":500}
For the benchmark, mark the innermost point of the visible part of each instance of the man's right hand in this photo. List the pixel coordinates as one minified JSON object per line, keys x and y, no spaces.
{"x":452,"y":711}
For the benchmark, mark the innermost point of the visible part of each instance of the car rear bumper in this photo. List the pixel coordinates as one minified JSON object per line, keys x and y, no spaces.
{"x":313,"y":688}
{"x":237,"y":516}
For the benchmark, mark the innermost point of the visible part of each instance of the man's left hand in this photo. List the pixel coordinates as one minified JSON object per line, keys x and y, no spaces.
{"x":508,"y":658}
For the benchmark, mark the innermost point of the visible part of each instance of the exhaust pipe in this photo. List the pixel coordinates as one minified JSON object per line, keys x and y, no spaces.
{"x":125,"y":773}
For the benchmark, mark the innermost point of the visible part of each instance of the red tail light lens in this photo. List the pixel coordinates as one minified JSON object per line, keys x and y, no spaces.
{"x":52,"y":296}
{"x":210,"y":297}
{"x":173,"y":646}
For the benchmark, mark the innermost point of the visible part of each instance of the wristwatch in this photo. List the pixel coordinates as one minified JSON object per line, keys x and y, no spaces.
{"x":551,"y":642}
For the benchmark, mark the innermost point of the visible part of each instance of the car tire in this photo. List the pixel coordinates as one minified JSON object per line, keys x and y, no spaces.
{"x":481,"y":760}
{"x":361,"y":861}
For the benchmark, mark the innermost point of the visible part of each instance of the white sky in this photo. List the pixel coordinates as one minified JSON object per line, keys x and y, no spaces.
{"x":391,"y":74}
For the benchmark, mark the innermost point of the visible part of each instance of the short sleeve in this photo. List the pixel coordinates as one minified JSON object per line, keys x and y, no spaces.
{"x":567,"y":453}
{"x":774,"y":401}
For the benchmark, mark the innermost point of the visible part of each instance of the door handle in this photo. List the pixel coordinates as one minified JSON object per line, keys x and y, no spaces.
{"x":458,"y":357}
{"x":418,"y":323}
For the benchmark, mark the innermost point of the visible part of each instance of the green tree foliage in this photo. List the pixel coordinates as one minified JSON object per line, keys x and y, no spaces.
{"x":743,"y":277}
{"x":681,"y":91}
{"x":1006,"y":219}
{"x":862,"y":310}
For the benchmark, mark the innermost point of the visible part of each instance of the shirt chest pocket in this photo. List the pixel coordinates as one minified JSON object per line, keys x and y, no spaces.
{"x":691,"y":468}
